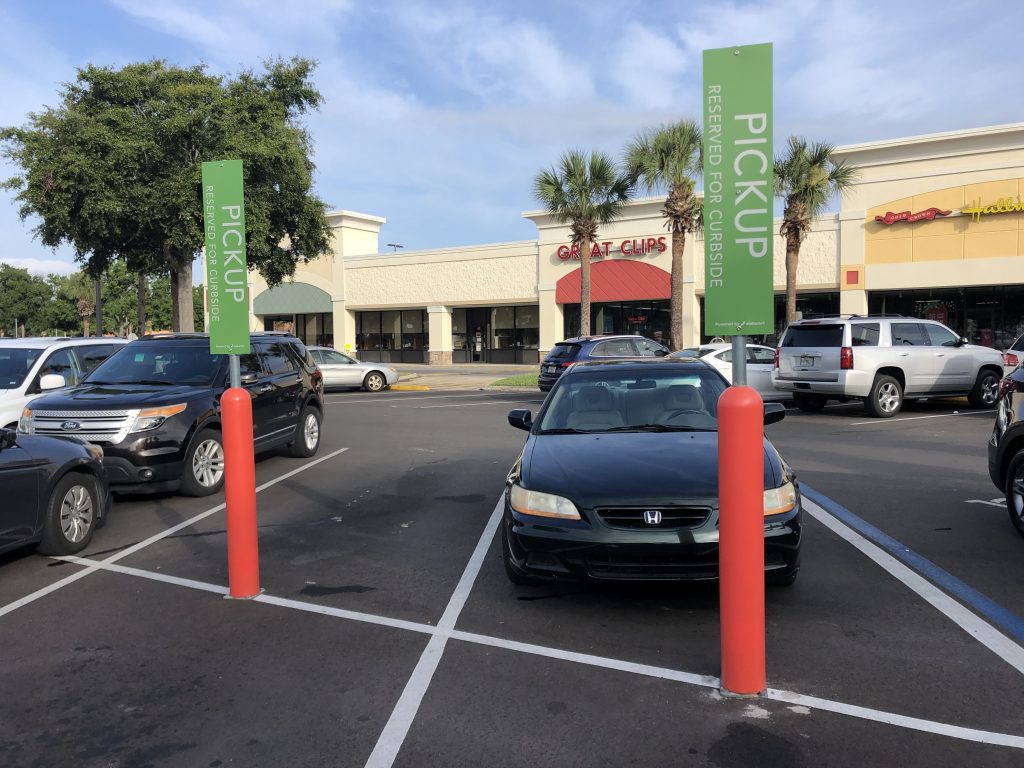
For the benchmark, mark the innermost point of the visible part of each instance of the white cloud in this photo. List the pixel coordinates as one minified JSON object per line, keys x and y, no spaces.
{"x":649,"y":68}
{"x":496,"y":58}
{"x":43,"y":266}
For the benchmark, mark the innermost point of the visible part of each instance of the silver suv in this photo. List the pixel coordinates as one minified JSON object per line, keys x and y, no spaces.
{"x":882,"y":360}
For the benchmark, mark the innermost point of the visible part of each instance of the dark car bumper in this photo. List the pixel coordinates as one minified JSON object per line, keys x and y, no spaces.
{"x":545,"y":549}
{"x":545,"y":381}
{"x":149,"y":464}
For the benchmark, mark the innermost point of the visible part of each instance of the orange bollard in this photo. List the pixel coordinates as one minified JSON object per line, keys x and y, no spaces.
{"x":741,"y":539}
{"x":240,"y":493}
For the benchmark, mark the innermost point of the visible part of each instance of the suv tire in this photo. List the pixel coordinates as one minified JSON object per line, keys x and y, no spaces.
{"x":307,"y":434}
{"x":985,"y":391}
{"x":1015,"y":491}
{"x":809,"y":403}
{"x":71,"y":515}
{"x":886,"y":397}
{"x":203,"y":472}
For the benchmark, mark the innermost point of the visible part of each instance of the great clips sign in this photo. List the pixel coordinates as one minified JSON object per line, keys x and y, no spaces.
{"x":635,"y":247}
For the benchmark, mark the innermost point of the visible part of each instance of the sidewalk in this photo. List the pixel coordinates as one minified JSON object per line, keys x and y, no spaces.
{"x":458,"y":377}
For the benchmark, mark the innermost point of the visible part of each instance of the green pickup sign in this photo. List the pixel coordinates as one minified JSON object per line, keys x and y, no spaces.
{"x":226,"y":271}
{"x":738,"y":191}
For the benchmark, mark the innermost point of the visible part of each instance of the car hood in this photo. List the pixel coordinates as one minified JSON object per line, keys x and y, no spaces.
{"x":632,"y":468}
{"x":109,"y":396}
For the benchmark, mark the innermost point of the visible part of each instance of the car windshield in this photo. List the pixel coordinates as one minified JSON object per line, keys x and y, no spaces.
{"x":15,"y":364}
{"x":637,"y":401}
{"x":157,"y":365}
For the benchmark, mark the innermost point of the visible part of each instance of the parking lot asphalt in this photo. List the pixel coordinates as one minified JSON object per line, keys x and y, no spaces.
{"x":388,"y":633}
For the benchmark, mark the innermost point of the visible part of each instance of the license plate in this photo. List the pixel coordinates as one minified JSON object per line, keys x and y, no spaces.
{"x":807,"y":361}
{"x":550,"y":368}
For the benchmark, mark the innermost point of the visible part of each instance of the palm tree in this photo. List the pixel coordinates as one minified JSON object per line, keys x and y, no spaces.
{"x":583,"y":192}
{"x":668,"y":158}
{"x":807,"y":176}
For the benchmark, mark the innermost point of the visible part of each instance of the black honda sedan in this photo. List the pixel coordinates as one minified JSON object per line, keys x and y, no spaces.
{"x":619,"y":479}
{"x":54,"y":490}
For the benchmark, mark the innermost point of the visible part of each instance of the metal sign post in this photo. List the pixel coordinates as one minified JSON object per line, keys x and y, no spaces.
{"x":226,"y":276}
{"x":738,"y":236}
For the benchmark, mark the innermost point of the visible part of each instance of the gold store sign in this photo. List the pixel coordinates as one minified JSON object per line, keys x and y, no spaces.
{"x":1003,"y":205}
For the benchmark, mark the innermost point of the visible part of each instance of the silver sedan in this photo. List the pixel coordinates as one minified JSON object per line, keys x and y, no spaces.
{"x":760,"y":361}
{"x":343,"y":371}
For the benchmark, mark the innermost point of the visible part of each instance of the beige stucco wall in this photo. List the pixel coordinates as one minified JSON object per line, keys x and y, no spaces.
{"x":504,"y":273}
{"x":947,"y":170}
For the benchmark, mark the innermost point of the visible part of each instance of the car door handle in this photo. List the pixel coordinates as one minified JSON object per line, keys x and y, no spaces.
{"x":940,"y":354}
{"x":904,"y":354}
{"x":265,"y":388}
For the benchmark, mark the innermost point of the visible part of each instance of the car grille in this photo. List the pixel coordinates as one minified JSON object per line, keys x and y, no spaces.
{"x":672,"y":518}
{"x":626,"y":566}
{"x":102,"y":427}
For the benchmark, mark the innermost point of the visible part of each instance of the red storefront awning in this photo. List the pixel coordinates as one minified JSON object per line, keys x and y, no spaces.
{"x":616,"y":280}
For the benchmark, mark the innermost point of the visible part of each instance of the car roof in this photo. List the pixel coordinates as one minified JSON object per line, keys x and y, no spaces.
{"x":640,"y":363}
{"x":719,"y":345}
{"x":581,"y":339}
{"x":44,"y":342}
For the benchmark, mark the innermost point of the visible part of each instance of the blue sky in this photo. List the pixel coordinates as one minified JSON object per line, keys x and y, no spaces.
{"x":437,"y":115}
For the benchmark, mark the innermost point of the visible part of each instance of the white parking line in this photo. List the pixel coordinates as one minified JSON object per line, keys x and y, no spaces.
{"x":397,"y":728}
{"x":96,"y":565}
{"x":915,"y":418}
{"x":969,"y":622}
{"x":417,"y":686}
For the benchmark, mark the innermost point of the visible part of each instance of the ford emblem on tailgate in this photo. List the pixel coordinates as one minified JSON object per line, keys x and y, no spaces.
{"x":652,"y":516}
{"x":70,"y":426}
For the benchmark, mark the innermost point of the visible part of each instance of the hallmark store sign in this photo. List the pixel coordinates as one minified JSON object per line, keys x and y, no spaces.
{"x":634,"y":247}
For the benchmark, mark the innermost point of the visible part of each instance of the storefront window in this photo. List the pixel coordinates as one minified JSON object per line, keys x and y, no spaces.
{"x":527,"y":327}
{"x":413,"y":324}
{"x":390,"y":329}
{"x":459,"y":337}
{"x":369,"y":331}
{"x":503,"y":321}
{"x":646,"y":318}
{"x":992,"y":316}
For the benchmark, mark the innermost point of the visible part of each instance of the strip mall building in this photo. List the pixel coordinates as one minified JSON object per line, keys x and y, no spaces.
{"x":934,"y":227}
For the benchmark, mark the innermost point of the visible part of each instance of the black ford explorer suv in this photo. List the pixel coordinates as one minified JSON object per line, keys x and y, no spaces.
{"x":154,"y":407}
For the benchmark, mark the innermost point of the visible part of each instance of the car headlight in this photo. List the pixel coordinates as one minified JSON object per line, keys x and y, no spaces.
{"x":25,"y":425}
{"x":780,"y":500}
{"x":542,"y":504}
{"x":151,"y":418}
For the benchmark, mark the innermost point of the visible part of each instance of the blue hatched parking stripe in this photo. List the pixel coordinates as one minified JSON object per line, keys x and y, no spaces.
{"x":1005,"y":619}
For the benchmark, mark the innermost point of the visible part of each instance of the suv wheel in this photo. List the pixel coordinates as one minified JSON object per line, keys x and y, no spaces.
{"x":985,"y":391}
{"x":886,"y":397}
{"x":71,"y":515}
{"x":203,"y":473}
{"x":1015,"y":491}
{"x":307,"y":434}
{"x":809,"y":403}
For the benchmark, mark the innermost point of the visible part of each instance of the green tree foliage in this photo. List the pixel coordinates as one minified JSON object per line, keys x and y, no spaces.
{"x":23,"y":301}
{"x":669,"y":158}
{"x":114,"y":169}
{"x":583,"y":192}
{"x":807,"y":176}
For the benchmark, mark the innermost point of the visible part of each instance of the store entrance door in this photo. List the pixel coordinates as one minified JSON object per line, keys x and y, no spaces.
{"x":478,"y":329}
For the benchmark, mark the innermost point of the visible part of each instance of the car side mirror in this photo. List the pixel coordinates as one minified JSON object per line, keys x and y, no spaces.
{"x":248,"y":378}
{"x":660,"y":352}
{"x":962,"y":340}
{"x":8,"y":439}
{"x":52,"y":381}
{"x":520,"y":418}
{"x":774,"y":413}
